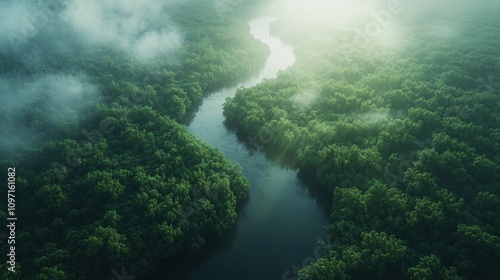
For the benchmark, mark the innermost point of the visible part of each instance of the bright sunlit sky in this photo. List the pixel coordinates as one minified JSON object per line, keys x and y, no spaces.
{"x":376,"y":20}
{"x":325,"y":12}
{"x":341,"y":11}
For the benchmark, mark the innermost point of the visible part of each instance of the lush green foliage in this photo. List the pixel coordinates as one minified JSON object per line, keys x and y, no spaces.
{"x":405,"y":134}
{"x":147,"y":187}
{"x":116,"y":182}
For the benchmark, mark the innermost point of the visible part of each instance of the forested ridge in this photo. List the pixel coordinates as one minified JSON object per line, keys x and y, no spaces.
{"x":405,"y":133}
{"x":110,"y":178}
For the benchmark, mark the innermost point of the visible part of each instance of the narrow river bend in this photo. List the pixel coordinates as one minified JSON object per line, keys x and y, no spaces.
{"x":280,"y":224}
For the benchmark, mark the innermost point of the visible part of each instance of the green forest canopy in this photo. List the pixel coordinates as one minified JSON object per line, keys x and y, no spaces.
{"x":116,"y":181}
{"x":406,"y":140}
{"x":406,"y":135}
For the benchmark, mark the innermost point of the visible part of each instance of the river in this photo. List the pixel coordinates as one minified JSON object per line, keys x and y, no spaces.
{"x":279,"y":226}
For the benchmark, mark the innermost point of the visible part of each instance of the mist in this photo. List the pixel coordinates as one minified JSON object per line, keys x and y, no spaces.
{"x":304,"y":99}
{"x":376,"y":20}
{"x":140,"y":28}
{"x":37,"y":97}
{"x":36,"y":106}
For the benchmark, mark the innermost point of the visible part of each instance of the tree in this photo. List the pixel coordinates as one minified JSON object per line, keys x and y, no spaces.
{"x":429,"y":267}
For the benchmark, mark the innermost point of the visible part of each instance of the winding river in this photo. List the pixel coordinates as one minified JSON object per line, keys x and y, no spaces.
{"x":278,"y":227}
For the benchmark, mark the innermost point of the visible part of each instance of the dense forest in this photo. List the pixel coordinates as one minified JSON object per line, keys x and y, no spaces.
{"x":401,"y":125}
{"x":405,"y":133}
{"x":107,"y":175}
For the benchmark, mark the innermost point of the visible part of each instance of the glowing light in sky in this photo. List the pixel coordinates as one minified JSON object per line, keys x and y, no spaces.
{"x":324,"y":12}
{"x":363,"y":20}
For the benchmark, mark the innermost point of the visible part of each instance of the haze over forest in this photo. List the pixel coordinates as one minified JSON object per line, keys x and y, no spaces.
{"x":388,"y":120}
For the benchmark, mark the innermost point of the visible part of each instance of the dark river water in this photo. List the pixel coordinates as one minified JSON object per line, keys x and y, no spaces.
{"x":278,"y":227}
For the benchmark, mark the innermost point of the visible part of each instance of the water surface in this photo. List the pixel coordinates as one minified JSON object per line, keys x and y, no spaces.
{"x":280,"y":224}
